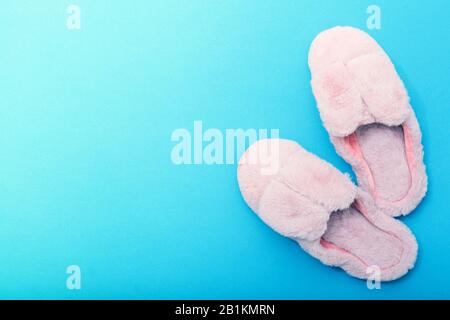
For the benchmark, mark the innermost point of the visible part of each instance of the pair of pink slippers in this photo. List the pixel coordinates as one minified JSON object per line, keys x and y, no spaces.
{"x":365,"y":108}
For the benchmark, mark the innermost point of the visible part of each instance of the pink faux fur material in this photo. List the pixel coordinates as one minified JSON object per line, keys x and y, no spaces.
{"x":365,"y":108}
{"x":314,"y":204}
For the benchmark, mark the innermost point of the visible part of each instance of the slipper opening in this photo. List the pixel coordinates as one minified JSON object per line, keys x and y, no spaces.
{"x":384,"y":152}
{"x":352,"y":233}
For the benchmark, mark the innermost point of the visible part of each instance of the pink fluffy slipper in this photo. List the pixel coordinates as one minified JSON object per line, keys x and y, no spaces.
{"x":311,"y":202}
{"x":365,"y":108}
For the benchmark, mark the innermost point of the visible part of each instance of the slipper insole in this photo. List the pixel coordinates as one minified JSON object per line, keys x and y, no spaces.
{"x":384,"y":151}
{"x":350,"y":231}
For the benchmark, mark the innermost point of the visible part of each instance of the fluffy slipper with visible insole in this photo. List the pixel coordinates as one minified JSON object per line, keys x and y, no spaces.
{"x":311,"y":202}
{"x":365,"y":108}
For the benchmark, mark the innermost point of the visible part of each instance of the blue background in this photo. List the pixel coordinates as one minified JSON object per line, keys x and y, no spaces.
{"x":85,"y":125}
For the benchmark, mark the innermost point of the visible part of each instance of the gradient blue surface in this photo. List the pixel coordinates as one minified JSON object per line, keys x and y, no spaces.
{"x":86,"y":119}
